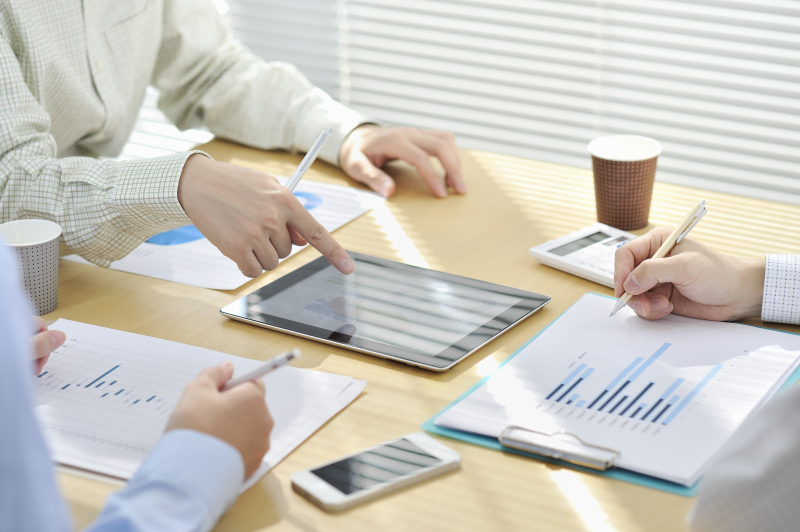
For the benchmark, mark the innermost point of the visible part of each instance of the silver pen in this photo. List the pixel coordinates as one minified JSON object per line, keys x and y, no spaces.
{"x":309,"y":159}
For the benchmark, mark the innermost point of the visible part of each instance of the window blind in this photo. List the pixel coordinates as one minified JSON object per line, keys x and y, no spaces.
{"x":717,"y":82}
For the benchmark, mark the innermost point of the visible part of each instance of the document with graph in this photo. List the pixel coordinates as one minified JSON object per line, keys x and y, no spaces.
{"x":105,"y":396}
{"x":666,"y":394}
{"x":185,"y":256}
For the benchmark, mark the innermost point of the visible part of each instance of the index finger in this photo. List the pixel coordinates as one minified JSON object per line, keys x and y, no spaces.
{"x":632,"y":253}
{"x":319,"y":237}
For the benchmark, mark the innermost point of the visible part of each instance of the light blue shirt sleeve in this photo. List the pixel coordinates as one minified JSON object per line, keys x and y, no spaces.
{"x":184,"y":484}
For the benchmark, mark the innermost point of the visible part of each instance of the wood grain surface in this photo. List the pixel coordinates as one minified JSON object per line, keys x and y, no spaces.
{"x":512,"y":205}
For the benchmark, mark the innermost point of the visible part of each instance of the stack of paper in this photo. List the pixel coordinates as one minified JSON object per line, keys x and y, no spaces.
{"x":666,"y":394}
{"x":185,"y":256}
{"x":105,"y":396}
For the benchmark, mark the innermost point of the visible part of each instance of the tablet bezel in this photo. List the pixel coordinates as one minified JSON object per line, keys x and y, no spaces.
{"x":530,"y":302}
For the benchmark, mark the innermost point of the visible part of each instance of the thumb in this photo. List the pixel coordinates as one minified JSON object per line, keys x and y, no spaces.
{"x":363,"y":171}
{"x":653,"y":272}
{"x":217,"y":376}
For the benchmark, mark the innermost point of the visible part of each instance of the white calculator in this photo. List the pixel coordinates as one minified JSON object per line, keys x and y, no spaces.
{"x":588,"y":253}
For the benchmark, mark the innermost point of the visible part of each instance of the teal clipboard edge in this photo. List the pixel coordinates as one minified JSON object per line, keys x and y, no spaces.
{"x":619,"y":474}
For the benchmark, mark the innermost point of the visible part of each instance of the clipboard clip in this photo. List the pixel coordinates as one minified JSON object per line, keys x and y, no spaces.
{"x":560,"y":445}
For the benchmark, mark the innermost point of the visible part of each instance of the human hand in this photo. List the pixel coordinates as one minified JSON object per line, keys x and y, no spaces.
{"x":238,"y":416}
{"x":368,"y":147}
{"x":692,"y":281}
{"x":44,"y":342}
{"x":250,"y":217}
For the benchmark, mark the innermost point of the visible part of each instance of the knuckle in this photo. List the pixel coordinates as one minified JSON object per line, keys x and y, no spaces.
{"x":317,"y":233}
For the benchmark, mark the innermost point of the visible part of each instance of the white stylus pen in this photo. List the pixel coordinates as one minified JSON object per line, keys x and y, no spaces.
{"x":266,"y":367}
{"x":309,"y":159}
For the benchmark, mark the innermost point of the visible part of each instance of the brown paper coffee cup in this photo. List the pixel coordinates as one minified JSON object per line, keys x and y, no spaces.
{"x":624,"y":168}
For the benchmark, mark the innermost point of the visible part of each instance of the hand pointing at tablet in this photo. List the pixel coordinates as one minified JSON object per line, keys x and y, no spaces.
{"x":251,"y":217}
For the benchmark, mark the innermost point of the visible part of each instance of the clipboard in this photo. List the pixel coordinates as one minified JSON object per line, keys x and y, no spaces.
{"x":564,"y":449}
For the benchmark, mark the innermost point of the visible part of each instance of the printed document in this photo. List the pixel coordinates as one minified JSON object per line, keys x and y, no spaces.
{"x":666,"y":394}
{"x":105,"y":396}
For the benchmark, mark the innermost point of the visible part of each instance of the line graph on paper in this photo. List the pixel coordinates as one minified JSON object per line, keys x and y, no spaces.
{"x":116,"y":400}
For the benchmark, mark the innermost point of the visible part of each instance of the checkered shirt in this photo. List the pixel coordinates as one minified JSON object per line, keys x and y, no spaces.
{"x":73,"y":75}
{"x":782,"y":289}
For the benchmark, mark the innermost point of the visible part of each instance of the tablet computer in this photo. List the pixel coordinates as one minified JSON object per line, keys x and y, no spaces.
{"x":385,"y":308}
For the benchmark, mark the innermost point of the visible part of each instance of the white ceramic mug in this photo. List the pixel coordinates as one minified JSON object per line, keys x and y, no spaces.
{"x":35,"y":243}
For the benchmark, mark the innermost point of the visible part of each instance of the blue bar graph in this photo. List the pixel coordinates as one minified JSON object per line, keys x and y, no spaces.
{"x":636,"y":399}
{"x":624,"y":372}
{"x":566,"y":381}
{"x":580,"y":403}
{"x":103,"y":395}
{"x":65,"y":387}
{"x":649,"y":361}
{"x":694,"y":392}
{"x":99,"y":385}
{"x":641,"y":407}
{"x":577,"y":382}
{"x":617,"y":405}
{"x":663,"y":397}
{"x":675,"y":399}
{"x":119,"y":392}
{"x":42,"y":375}
{"x":136,"y":401}
{"x":150,"y":399}
{"x":113,"y":383}
{"x":615,"y":382}
{"x":572,"y":399}
{"x":103,"y":375}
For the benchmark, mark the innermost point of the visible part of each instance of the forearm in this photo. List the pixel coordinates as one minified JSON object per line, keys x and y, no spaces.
{"x":105,"y":209}
{"x":206,"y":76}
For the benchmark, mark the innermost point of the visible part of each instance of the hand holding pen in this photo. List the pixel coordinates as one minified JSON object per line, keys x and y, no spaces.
{"x":691,"y":280}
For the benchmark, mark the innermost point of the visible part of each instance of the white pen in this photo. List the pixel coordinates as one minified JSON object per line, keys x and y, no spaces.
{"x":686,"y":225}
{"x":309,"y":159}
{"x":263,"y":369}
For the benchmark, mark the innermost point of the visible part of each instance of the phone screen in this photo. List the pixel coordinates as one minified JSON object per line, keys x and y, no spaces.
{"x":377,"y":466}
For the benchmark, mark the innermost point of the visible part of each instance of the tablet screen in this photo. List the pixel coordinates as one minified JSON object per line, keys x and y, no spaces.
{"x":389,"y":308}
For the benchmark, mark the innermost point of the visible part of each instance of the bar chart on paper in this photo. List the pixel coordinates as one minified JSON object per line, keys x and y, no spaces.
{"x":666,"y":394}
{"x":105,"y":396}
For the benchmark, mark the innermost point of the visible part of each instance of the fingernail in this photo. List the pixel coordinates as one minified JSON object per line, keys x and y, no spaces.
{"x":385,"y":190}
{"x":55,"y":336}
{"x":660,"y":303}
{"x":347,"y":266}
{"x":226,"y":364}
{"x":632,"y":284}
{"x":637,"y":308}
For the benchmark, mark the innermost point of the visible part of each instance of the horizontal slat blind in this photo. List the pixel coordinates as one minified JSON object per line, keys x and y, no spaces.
{"x":302,"y":32}
{"x":717,"y":84}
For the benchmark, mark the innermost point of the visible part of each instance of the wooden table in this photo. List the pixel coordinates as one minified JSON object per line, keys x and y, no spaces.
{"x":512,"y":204}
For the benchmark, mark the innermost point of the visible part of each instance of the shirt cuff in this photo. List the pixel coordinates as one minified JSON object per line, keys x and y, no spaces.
{"x":145,"y":196}
{"x":782,"y":289}
{"x":203,"y":467}
{"x":328,"y":113}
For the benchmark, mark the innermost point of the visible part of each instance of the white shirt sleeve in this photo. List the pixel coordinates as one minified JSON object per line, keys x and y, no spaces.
{"x":754,"y":481}
{"x":782,"y":289}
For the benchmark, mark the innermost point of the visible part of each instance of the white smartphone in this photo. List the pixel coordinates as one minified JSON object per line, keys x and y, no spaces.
{"x":375,"y":471}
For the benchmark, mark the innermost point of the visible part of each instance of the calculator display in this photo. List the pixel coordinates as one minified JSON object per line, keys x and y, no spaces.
{"x":581,"y":243}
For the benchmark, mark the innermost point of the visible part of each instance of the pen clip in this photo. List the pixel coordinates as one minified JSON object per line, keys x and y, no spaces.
{"x":697,"y":217}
